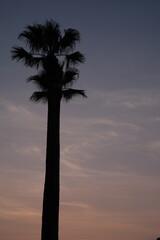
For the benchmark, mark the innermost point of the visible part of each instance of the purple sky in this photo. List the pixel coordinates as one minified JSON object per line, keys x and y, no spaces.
{"x":110,"y":142}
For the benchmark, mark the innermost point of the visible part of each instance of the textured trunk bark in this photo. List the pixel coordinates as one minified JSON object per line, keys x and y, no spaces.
{"x":50,"y":212}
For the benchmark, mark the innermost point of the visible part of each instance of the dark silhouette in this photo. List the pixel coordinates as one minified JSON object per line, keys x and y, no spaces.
{"x":52,"y":53}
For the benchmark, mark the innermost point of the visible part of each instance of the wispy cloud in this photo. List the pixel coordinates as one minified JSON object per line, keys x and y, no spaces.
{"x":20,"y":116}
{"x":128,"y":98}
{"x":80,"y":205}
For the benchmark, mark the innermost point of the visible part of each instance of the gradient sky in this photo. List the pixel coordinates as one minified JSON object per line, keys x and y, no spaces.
{"x":110,"y":142}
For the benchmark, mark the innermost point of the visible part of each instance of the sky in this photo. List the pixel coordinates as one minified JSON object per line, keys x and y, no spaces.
{"x":110,"y":142}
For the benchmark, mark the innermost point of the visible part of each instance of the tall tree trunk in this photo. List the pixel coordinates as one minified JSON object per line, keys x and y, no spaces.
{"x":50,"y":213}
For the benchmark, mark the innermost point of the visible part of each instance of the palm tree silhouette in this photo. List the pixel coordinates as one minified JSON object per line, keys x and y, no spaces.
{"x":53,"y":54}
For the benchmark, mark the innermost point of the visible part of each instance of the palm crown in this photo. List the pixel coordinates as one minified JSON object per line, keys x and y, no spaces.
{"x":53,"y":55}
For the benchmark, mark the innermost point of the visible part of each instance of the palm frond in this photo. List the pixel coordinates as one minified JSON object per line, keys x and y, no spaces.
{"x":39,"y":97}
{"x":74,"y":59}
{"x":40,"y":80}
{"x":68,"y":41}
{"x":52,"y":35}
{"x":42,"y":38}
{"x":33,"y":37}
{"x":20,"y":54}
{"x":68,"y":94}
{"x":70,"y":76}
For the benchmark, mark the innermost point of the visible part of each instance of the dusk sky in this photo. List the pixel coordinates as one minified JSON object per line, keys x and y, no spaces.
{"x":110,"y":142}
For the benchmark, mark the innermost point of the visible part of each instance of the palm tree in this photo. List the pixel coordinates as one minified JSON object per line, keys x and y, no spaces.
{"x":54,"y":56}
